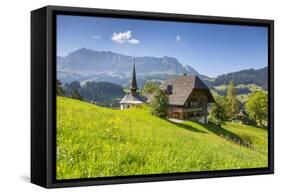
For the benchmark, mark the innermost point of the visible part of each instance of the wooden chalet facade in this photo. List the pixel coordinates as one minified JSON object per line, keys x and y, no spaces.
{"x":189,"y":98}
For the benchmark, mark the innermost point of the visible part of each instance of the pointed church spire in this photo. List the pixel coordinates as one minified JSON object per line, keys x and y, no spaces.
{"x":134,"y":86}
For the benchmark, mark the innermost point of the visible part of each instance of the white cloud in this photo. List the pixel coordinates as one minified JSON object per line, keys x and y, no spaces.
{"x":96,"y":37}
{"x":121,"y":37}
{"x":133,"y":41}
{"x":124,"y":37}
{"x":178,"y":38}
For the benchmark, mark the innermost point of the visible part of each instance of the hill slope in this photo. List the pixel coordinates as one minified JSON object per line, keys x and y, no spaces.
{"x":258,"y":77}
{"x":94,"y":142}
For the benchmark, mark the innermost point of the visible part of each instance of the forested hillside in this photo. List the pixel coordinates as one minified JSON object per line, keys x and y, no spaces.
{"x":100,"y":93}
{"x":258,"y":77}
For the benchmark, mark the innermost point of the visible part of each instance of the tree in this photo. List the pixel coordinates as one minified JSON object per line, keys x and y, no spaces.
{"x":76,"y":95}
{"x":150,"y":87}
{"x":60,"y":91}
{"x":159,"y":103}
{"x":257,"y":106}
{"x":218,"y":110}
{"x":232,"y":101}
{"x":70,"y":87}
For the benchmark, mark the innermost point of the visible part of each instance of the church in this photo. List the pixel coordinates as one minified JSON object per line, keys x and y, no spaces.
{"x":133,"y":98}
{"x":189,"y":97}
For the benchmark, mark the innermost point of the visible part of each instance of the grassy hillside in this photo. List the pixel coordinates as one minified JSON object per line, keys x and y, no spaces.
{"x":95,"y":142}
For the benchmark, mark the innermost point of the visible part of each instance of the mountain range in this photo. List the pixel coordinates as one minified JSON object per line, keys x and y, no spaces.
{"x":90,"y":65}
{"x":85,"y":64}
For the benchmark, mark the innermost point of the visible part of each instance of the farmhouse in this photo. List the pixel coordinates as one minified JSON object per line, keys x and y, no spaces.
{"x":134,"y":98}
{"x":189,"y":98}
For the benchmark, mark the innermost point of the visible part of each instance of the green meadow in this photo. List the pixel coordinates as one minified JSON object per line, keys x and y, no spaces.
{"x":93,"y":141}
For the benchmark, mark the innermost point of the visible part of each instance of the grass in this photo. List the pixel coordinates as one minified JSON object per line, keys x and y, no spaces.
{"x":98,"y":142}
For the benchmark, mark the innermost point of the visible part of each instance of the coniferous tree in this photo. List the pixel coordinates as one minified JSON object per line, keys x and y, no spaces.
{"x":232,"y":101}
{"x":76,"y":95}
{"x":60,"y":91}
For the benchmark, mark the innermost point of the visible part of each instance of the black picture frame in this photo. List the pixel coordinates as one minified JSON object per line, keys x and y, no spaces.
{"x":43,"y":95}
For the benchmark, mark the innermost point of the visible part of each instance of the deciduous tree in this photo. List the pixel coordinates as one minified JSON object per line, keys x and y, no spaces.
{"x":257,"y":106}
{"x":218,"y":110}
{"x":150,"y":87}
{"x":159,"y":103}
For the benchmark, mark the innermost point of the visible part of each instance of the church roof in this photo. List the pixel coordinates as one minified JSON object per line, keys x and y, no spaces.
{"x":182,"y":86}
{"x":133,"y":99}
{"x":134,"y":85}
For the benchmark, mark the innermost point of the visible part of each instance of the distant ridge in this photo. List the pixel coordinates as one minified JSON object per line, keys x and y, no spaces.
{"x":86,"y":64}
{"x":249,"y":76}
{"x":91,"y":60}
{"x":91,"y":65}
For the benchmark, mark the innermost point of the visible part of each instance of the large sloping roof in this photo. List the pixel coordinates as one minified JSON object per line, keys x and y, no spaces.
{"x":183,"y":86}
{"x":133,"y":99}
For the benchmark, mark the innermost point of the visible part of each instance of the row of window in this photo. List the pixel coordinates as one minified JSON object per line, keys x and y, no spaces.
{"x":196,"y":103}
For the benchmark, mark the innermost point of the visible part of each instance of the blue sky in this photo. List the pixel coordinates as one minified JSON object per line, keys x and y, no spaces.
{"x":210,"y":48}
